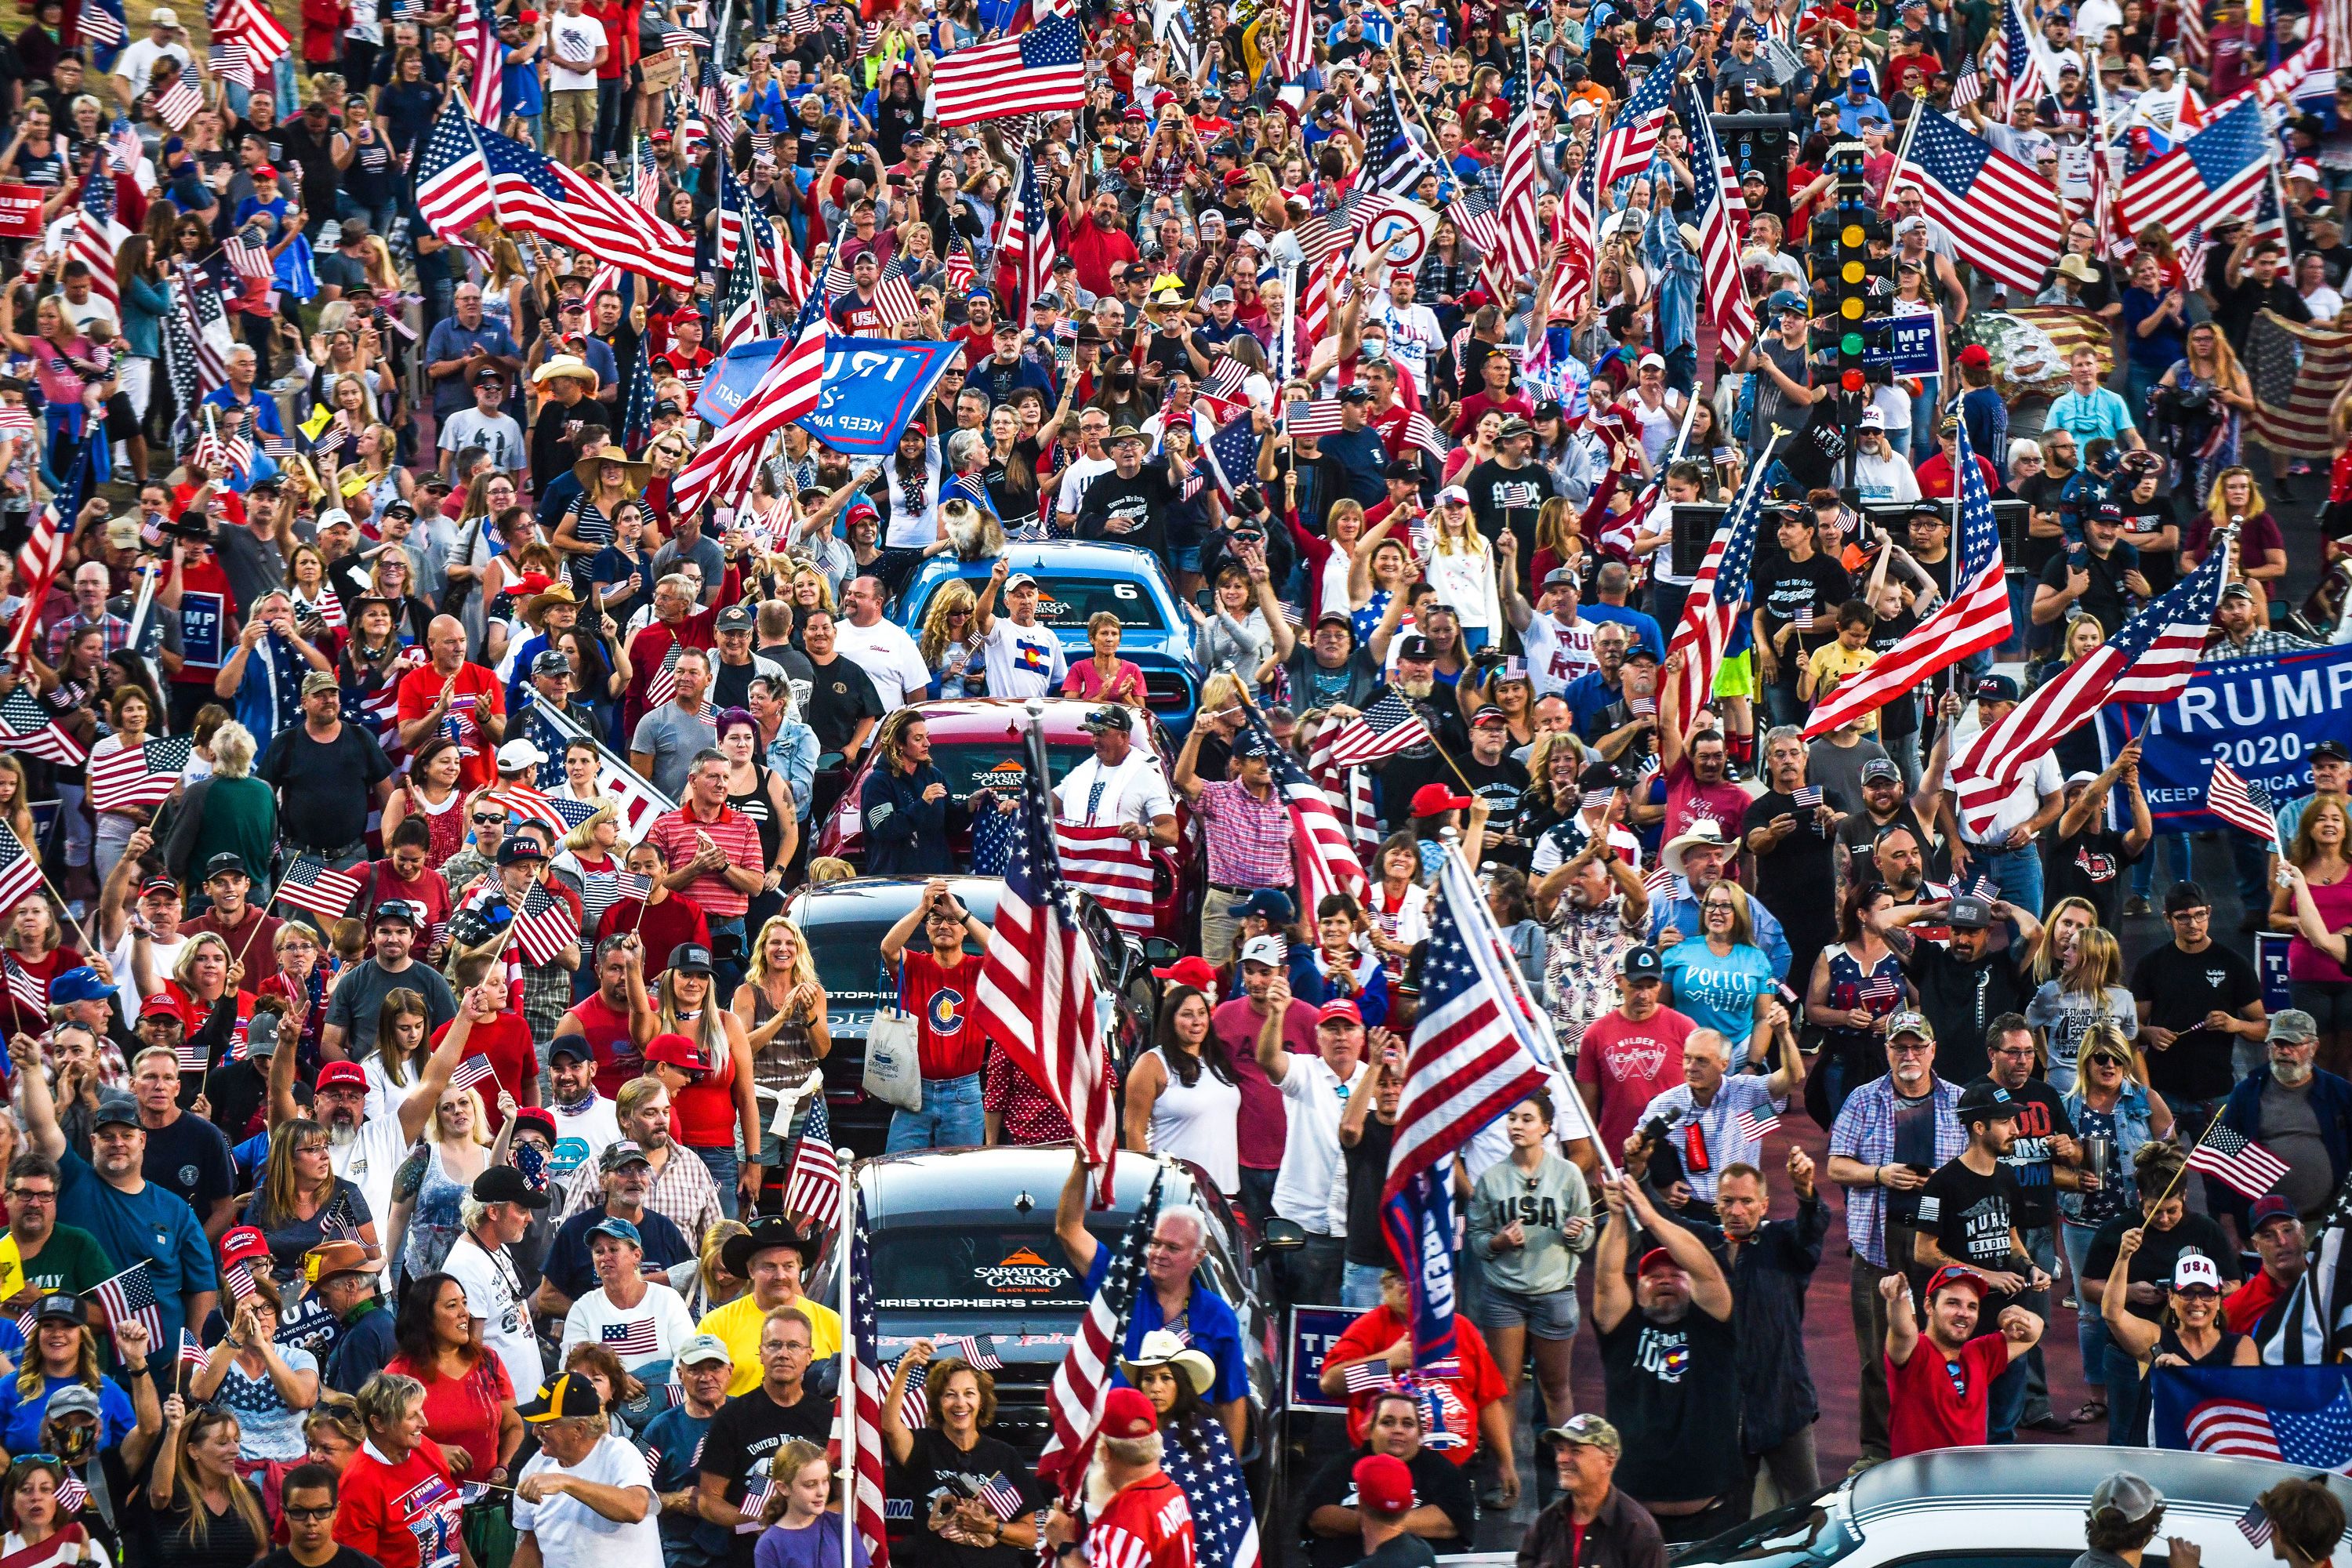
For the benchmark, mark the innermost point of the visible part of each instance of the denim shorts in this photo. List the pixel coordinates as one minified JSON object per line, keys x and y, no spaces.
{"x":1550,"y":1316}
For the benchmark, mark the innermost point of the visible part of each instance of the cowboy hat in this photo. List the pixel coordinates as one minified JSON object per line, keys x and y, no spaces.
{"x":564,"y":364}
{"x":1160,"y":1348}
{"x":1702,"y":833}
{"x":537,"y":604}
{"x":737,"y":1255}
{"x":633,"y":474}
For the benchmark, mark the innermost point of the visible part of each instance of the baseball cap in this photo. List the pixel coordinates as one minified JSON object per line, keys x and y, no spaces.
{"x":505,"y":1184}
{"x":1996,"y":688}
{"x":1268,"y":904}
{"x":2268,"y":1207}
{"x":1383,"y":1484}
{"x":1192,"y":970}
{"x":1432,"y":799}
{"x":1984,"y":1100}
{"x":702,"y":1349}
{"x":341,"y":1075}
{"x":575,"y":1046}
{"x":518,"y":754}
{"x":227,"y":864}
{"x":1489,"y":714}
{"x":115,"y":1109}
{"x":242,"y":1243}
{"x":2195,"y":1271}
{"x":1590,"y":1430}
{"x":1657,"y":1261}
{"x":1873,"y":418}
{"x":1953,"y":1274}
{"x":568,"y":1396}
{"x":400,"y":909}
{"x":80,"y":984}
{"x":161,"y":1006}
{"x":1340,"y":1007}
{"x":1109,"y":716}
{"x":1970,"y":914}
{"x":734,"y":618}
{"x":2125,"y":1496}
{"x":2294,"y":1026}
{"x":2332,"y":750}
{"x":621,"y":1152}
{"x":1268,"y":950}
{"x":1976,"y":355}
{"x":516,"y":849}
{"x":1879,"y":768}
{"x":1640,"y":963}
{"x":690,"y":956}
{"x":1416,"y":647}
{"x":1127,"y":1414}
{"x":677,"y":1050}
{"x":537,"y":1117}
{"x":1907,"y":1022}
{"x":619,"y":1230}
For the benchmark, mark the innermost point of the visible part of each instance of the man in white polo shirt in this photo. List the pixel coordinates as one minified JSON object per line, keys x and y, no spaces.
{"x":1024,"y":659}
{"x":880,"y":647}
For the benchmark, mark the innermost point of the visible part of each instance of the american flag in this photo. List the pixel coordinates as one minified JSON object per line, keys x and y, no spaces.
{"x":1296,"y":51}
{"x":2254,"y":1524}
{"x":1322,"y":852}
{"x":2002,"y":216}
{"x":312,"y":884}
{"x":1753,"y":1127}
{"x":1028,"y":245}
{"x":721,"y":469}
{"x":130,"y":1297}
{"x":1974,"y":619}
{"x":36,"y":569}
{"x":530,"y":805}
{"x":1878,"y":988}
{"x":2149,"y":660}
{"x":29,"y":993}
{"x":1390,"y":725}
{"x":27,"y":726}
{"x":978,"y":1350}
{"x":191,"y":1057}
{"x":96,"y":237}
{"x":2213,"y":174}
{"x":231,"y":454}
{"x":1074,"y":1405}
{"x":1579,"y":223}
{"x":99,"y":22}
{"x":1473,"y":1056}
{"x":18,"y":419}
{"x":815,"y":1184}
{"x":2241,"y":805}
{"x":138,"y":775}
{"x":1037,"y":993}
{"x":1808,"y":797}
{"x":960,"y":274}
{"x":1367,"y":1376}
{"x":1517,"y":226}
{"x":1351,"y":792}
{"x":1722,"y":219}
{"x":461,"y":725}
{"x":1115,"y":869}
{"x":1717,"y":595}
{"x":893,"y":301}
{"x":473,"y":1072}
{"x":1473,"y":212}
{"x":231,"y":59}
{"x":72,"y":1496}
{"x":1968,"y":86}
{"x":1326,"y":291}
{"x":1232,"y":456}
{"x":252,"y":26}
{"x":1001,"y":1496}
{"x":799,"y":17}
{"x":662,"y":684}
{"x":467,"y":173}
{"x":123,"y":148}
{"x":478,"y":46}
{"x":1225,"y":1525}
{"x":637,"y":1337}
{"x":191,"y":1350}
{"x":915,"y":1399}
{"x":2196,"y":48}
{"x":544,"y":927}
{"x":1393,"y":161}
{"x":864,"y":1487}
{"x":2237,"y":1161}
{"x":237,"y":1277}
{"x":1631,"y":142}
{"x":2015,"y":60}
{"x":1040,"y":72}
{"x":717,"y":104}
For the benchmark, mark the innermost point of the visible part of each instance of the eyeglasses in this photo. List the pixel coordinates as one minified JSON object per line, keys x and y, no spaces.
{"x":27,"y":1196}
{"x":309,"y":1515}
{"x":1914,"y":1049}
{"x":490,"y":821}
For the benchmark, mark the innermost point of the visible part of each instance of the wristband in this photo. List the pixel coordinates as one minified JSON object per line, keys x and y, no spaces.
{"x":127,"y":1370}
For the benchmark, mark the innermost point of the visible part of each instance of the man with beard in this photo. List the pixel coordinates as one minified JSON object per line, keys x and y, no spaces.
{"x":1897,"y":859}
{"x":51,"y":1256}
{"x":1695,"y":767}
{"x":1629,"y":726}
{"x":599,"y":1022}
{"x":585,"y":1124}
{"x":627,"y":1178}
{"x":1668,"y":1351}
{"x":1884,"y":806}
{"x":2298,"y":1113}
{"x":1594,"y":908}
{"x":1787,"y":829}
{"x":1942,"y":1380}
{"x":1593,"y":693}
{"x":681,"y":1192}
{"x":341,"y":1277}
{"x":1967,"y":1220}
{"x":1443,"y":1508}
{"x":1403,"y":775}
{"x":1770,"y":1263}
{"x":2277,"y":1239}
{"x":1965,"y":985}
{"x":1559,"y":642}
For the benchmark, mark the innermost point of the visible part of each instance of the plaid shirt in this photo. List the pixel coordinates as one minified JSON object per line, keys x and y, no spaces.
{"x":683,"y":1194}
{"x":117,"y":630}
{"x":2265,"y":644}
{"x":1864,"y":1130}
{"x":1249,"y":838}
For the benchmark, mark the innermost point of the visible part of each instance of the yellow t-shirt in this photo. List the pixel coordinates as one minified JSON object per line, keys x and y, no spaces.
{"x":1833,"y":664}
{"x":738,"y":1323}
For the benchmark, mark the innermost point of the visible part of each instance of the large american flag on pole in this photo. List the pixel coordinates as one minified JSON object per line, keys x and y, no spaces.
{"x":814,"y":1183}
{"x":478,"y":46}
{"x":1975,"y":616}
{"x":1322,"y":852}
{"x":1114,"y":867}
{"x":1517,"y":223}
{"x":1074,"y":1403}
{"x":1721,"y":221}
{"x":1717,"y":595}
{"x":1028,"y":245}
{"x":1038,"y":994}
{"x":1627,"y":148}
{"x":2002,"y":216}
{"x":2215,"y":174}
{"x":1390,"y":725}
{"x":2149,"y":660}
{"x":1040,"y":72}
{"x":866,"y":1507}
{"x":97,"y":236}
{"x":2014,"y":61}
{"x":721,"y":469}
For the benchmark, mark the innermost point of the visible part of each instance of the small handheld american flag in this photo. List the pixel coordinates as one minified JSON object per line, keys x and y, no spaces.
{"x":1003,"y":1498}
{"x":1753,"y":1127}
{"x":2254,"y":1524}
{"x":2237,"y":1161}
{"x":2242,"y":803}
{"x":238,"y":1278}
{"x":1641,"y":707}
{"x":130,"y":1297}
{"x":1389,"y":726}
{"x":312,"y":884}
{"x":72,"y":1496}
{"x":978,"y":1350}
{"x":1806,"y":797}
{"x":544,"y":927}
{"x":1595,"y":799}
{"x":473,"y":1072}
{"x":1366,"y":1376}
{"x":1879,"y":988}
{"x":192,"y":1351}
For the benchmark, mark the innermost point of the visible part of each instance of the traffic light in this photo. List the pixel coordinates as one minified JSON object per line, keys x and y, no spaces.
{"x":1850,"y":258}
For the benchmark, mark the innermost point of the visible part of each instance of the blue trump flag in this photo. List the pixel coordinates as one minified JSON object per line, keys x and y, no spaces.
{"x":2299,"y":1414}
{"x":2262,"y":716}
{"x":874,"y":389}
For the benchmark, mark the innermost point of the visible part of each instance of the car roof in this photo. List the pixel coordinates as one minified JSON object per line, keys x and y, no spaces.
{"x":871,"y":898}
{"x":958,"y":719}
{"x":2056,"y":1474}
{"x":1065,"y":557}
{"x":929,"y":1184}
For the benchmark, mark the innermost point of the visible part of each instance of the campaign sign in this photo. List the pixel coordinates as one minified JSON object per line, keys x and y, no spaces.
{"x":1313,"y":1332}
{"x":2270,"y":962}
{"x":20,"y":212}
{"x":1910,"y":346}
{"x":873,"y":388}
{"x":2262,"y":716}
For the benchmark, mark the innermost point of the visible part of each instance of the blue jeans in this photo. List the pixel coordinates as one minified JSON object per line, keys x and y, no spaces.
{"x":722,"y":1166}
{"x":2175,"y":848}
{"x":950,"y":1116}
{"x":2091,"y":1336}
{"x":728,"y":958}
{"x":1359,"y":1286}
{"x":1924,"y":419}
{"x":2017,"y":872}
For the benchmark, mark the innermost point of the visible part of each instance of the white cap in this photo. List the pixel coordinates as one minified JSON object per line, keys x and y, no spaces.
{"x":2193,"y":1268}
{"x":518,"y":754}
{"x":1649,"y":360}
{"x":1453,"y":493}
{"x":1580,"y":109}
{"x":1873,"y":418}
{"x":2161,"y":63}
{"x":334,"y":517}
{"x":1265,"y":949}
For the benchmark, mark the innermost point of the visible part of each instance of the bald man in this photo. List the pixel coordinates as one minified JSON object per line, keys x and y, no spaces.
{"x":448,"y":696}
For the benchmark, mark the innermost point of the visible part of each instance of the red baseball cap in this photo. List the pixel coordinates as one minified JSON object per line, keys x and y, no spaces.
{"x":165,"y":1003}
{"x":1953,"y":1274}
{"x":1192,"y":969}
{"x":532,"y":1116}
{"x":1127,"y":1414}
{"x":1657,"y":1259}
{"x":1383,"y":1484}
{"x":341,"y":1075}
{"x":1975,"y":354}
{"x":675,"y":1049}
{"x":1340,"y":1007}
{"x":242,"y":1243}
{"x":1431,"y":799}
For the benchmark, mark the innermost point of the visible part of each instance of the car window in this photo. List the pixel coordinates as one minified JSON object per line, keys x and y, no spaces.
{"x":971,"y":1265}
{"x":848,"y":955}
{"x":1801,"y":1535}
{"x":1066,"y":603}
{"x":969,"y":766}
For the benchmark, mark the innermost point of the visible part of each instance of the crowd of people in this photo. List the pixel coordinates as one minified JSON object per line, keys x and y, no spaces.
{"x":430,"y":1102}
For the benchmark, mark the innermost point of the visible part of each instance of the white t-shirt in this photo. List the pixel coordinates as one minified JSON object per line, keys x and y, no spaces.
{"x":370,"y":1159}
{"x":1557,"y":654}
{"x":1024,"y":662}
{"x":1314,"y":1098}
{"x":126,"y":987}
{"x":1132,"y":791}
{"x":568,"y":1530}
{"x":572,"y":39}
{"x":1415,"y":338}
{"x":582,"y":1135}
{"x":594,"y":1319}
{"x":2042,"y":779}
{"x":136,"y":64}
{"x":889,"y":656}
{"x":494,"y":1293}
{"x":1076,"y":478}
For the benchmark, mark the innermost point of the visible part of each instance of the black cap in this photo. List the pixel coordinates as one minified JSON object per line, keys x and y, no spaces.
{"x":226,"y":863}
{"x":60,"y":1304}
{"x":1970,"y":914}
{"x":570,"y":1395}
{"x":1985,"y":1101}
{"x":1639,"y":963}
{"x":2332,"y":749}
{"x":115,"y":1109}
{"x":690,"y":956}
{"x":1996,"y":688}
{"x":505,"y":1184}
{"x":1416,"y":647}
{"x":666,"y":409}
{"x":734,"y":618}
{"x":516,"y":847}
{"x":1358,"y":394}
{"x":571,"y":1045}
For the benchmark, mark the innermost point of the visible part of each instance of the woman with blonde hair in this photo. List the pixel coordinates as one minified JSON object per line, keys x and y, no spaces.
{"x":318,"y":609}
{"x":2234,"y":498}
{"x":2086,"y":991}
{"x":950,"y":645}
{"x":2199,"y":405}
{"x":270,"y":1386}
{"x":710,"y":1284}
{"x":2316,"y":905}
{"x":63,"y":1353}
{"x":299,"y":1201}
{"x":803,"y":1512}
{"x":2068,"y":918}
{"x":2111,"y":1100}
{"x":16,"y":800}
{"x":1331,"y":562}
{"x":434,"y":1183}
{"x":375,"y":477}
{"x":607,"y":477}
{"x":784,"y":1003}
{"x":196,"y":1507}
{"x":589,"y":857}
{"x":707,"y":1106}
{"x":1462,"y":569}
{"x":393,"y":580}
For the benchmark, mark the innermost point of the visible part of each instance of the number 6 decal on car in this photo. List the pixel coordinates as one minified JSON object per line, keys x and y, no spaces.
{"x":1123,"y":591}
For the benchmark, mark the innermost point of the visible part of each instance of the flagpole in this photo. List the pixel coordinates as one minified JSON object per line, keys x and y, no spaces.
{"x":847,"y":1158}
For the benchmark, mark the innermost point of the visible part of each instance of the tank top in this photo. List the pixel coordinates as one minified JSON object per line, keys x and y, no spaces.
{"x":444,"y":823}
{"x":2167,"y":1342}
{"x":434,"y":1226}
{"x":606,"y":1029}
{"x":1197,"y":1123}
{"x":755,"y":804}
{"x":786,"y":1061}
{"x":2305,"y":962}
{"x":704,"y":1109}
{"x":1864,"y":1053}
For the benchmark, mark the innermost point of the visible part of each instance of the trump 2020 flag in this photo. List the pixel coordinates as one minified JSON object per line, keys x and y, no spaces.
{"x":2298,"y":1415}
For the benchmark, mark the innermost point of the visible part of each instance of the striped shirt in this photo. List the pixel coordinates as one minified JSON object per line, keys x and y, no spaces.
{"x":737,"y":835}
{"x":1248,"y":837}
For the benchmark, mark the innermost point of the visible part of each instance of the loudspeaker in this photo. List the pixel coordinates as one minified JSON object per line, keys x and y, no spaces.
{"x":1757,"y":142}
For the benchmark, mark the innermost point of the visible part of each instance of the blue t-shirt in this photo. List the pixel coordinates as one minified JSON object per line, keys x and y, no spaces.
{"x":154,"y":1224}
{"x":1209,"y":1322}
{"x":1718,"y":993}
{"x":572,"y":1270}
{"x":20,"y":1417}
{"x":1643,"y":626}
{"x":671,"y":1443}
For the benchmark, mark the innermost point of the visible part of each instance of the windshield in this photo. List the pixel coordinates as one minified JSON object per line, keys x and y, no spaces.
{"x":1066,"y":603}
{"x":1809,"y":1534}
{"x":973,"y":1265}
{"x":969,"y":766}
{"x":848,"y":955}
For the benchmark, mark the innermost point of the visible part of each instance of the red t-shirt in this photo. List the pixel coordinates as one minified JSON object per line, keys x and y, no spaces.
{"x":1939,"y":1404}
{"x":43,"y":970}
{"x":949,"y":1043}
{"x":663,"y":927}
{"x":607,"y":1030}
{"x":1148,"y":1525}
{"x":420,"y":689}
{"x":392,"y":1512}
{"x":1633,"y":1064}
{"x":1689,"y":801}
{"x":506,"y":1040}
{"x":1480,"y":1381}
{"x":1264,"y":1121}
{"x":431,"y":889}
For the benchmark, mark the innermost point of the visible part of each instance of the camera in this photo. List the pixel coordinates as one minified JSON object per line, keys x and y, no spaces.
{"x":1488,"y":657}
{"x":1655,"y":1130}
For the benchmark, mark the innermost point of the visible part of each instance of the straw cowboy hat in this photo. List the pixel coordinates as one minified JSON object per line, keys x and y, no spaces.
{"x":633,"y":473}
{"x":1160,"y":1348}
{"x":564,"y":364}
{"x":535,"y":608}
